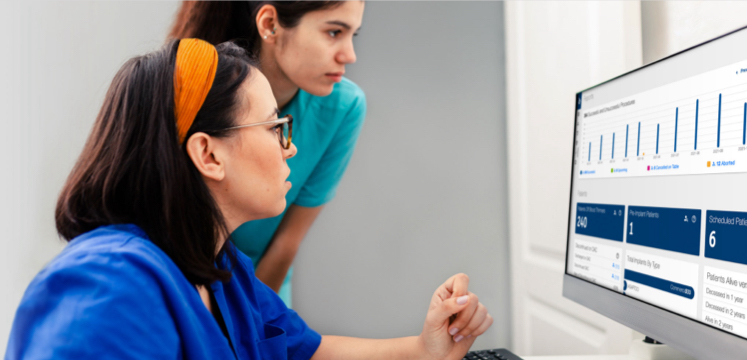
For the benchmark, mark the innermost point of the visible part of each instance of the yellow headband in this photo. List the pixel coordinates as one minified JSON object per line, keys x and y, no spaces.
{"x":196,"y":64}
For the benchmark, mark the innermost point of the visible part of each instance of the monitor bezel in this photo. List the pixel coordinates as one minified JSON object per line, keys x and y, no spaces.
{"x":680,"y":332}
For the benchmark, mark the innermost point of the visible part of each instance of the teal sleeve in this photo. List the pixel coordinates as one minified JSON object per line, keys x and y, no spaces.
{"x":322,"y":184}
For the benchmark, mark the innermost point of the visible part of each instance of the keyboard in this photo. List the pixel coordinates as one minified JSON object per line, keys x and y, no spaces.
{"x":494,"y":354}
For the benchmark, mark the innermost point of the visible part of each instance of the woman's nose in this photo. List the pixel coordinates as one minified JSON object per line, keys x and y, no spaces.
{"x":346,"y":55}
{"x":291,"y":152}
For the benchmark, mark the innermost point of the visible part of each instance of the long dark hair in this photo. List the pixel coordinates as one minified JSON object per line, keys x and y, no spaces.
{"x":133,"y":170}
{"x":219,"y":21}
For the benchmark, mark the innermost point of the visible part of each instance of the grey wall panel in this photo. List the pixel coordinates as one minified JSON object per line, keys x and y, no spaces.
{"x":425,"y":193}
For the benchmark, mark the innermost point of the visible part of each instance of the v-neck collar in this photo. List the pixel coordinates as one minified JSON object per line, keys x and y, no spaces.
{"x":220,"y":302}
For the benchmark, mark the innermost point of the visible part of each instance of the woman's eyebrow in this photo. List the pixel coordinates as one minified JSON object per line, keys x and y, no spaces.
{"x":275,"y":113}
{"x":340,"y":23}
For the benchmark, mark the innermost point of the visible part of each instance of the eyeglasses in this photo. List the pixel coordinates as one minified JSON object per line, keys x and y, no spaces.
{"x":284,"y":129}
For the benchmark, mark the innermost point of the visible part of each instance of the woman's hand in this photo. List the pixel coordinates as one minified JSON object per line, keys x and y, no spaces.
{"x":455,"y":318}
{"x":446,"y":337}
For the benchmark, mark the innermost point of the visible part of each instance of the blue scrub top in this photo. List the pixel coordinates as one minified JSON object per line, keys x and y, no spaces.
{"x":113,"y":294}
{"x":325,"y":131}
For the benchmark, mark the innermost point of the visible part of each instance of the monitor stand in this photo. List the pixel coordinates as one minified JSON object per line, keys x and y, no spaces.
{"x":640,"y":349}
{"x":650,"y":349}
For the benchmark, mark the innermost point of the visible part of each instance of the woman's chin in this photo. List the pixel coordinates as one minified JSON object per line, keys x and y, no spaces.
{"x":320,"y":90}
{"x":279,"y":209}
{"x":269,"y":212}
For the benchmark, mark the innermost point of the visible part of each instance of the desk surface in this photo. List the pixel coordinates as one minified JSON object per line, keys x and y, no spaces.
{"x":579,"y":357}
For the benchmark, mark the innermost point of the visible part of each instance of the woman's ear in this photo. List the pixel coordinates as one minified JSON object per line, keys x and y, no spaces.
{"x":205,"y":153}
{"x":267,"y":23}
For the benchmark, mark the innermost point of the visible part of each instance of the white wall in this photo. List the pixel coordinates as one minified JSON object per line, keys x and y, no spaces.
{"x":672,"y":26}
{"x":553,"y":50}
{"x":425,"y":194}
{"x":55,"y":70}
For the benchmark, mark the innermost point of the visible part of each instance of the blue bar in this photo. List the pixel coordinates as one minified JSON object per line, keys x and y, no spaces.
{"x":744,"y":123}
{"x":626,"y":134}
{"x":676,"y":119}
{"x":659,"y":284}
{"x":613,"y":145}
{"x":664,"y":228}
{"x":718,"y":130}
{"x":657,"y":138}
{"x":601,"y":221}
{"x":638,"y":149}
{"x":589,"y":150}
{"x":727,"y":232}
{"x":696,"y":123}
{"x":601,"y":137}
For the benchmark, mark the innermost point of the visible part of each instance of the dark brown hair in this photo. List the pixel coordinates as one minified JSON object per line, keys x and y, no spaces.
{"x":133,"y":171}
{"x":219,"y":21}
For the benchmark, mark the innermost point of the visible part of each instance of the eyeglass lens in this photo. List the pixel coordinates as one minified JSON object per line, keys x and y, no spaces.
{"x":288,"y":132}
{"x":283,"y":135}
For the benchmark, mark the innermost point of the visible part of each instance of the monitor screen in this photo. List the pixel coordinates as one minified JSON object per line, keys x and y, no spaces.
{"x":658,"y":207}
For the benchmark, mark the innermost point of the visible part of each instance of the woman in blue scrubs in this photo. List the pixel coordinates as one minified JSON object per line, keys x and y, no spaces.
{"x":186,"y":148}
{"x":303,"y":48}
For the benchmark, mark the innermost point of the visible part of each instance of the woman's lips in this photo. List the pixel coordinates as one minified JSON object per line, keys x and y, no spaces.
{"x":337,"y":77}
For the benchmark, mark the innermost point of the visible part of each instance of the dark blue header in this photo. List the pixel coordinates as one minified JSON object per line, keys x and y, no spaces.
{"x":665,"y":228}
{"x":726,"y":236}
{"x":600,"y":220}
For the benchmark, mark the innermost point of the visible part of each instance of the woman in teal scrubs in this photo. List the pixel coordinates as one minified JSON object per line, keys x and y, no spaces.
{"x":187,"y":146}
{"x":303,"y":48}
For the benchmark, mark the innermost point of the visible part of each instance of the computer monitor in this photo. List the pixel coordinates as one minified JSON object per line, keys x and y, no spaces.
{"x":657,"y":236}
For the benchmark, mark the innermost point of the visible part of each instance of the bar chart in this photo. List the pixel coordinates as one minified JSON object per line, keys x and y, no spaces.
{"x":696,"y":125}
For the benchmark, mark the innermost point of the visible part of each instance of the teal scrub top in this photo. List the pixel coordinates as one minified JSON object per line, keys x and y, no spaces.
{"x":325,"y":131}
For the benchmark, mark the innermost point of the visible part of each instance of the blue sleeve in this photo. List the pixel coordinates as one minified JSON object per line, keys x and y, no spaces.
{"x":104,"y":307}
{"x":322,"y":184}
{"x":301,"y":340}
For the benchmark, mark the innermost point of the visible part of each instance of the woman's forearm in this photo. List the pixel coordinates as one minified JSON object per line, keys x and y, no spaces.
{"x":273,"y":267}
{"x":349,"y":348}
{"x":278,"y":258}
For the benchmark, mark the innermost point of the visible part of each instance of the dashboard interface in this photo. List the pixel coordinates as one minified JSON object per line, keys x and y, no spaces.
{"x":659,"y":187}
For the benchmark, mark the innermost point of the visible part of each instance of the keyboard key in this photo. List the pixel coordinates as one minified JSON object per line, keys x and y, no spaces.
{"x":491,"y":354}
